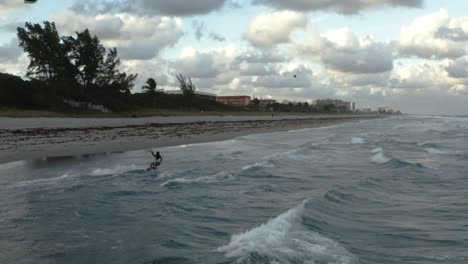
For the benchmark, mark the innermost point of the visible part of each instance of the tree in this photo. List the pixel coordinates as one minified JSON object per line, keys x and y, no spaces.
{"x":186,"y":86}
{"x":87,"y":55}
{"x":256,"y":102}
{"x":80,"y":61}
{"x":150,"y":87}
{"x":46,"y":51}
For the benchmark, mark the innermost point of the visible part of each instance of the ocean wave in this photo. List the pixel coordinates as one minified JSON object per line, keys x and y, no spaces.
{"x":285,"y":239}
{"x":377,"y":150}
{"x":357,"y":140}
{"x":45,"y":181}
{"x":258,"y":165}
{"x":215,"y":178}
{"x":119,"y":169}
{"x":380,"y":158}
{"x":441,"y":151}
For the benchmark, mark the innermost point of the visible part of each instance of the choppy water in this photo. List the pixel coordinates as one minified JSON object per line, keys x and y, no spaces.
{"x":380,"y":191}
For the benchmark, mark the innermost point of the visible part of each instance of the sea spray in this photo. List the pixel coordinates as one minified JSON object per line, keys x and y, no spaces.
{"x":285,"y":239}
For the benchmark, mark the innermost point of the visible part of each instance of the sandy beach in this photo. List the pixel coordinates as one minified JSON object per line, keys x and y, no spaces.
{"x":33,"y":138}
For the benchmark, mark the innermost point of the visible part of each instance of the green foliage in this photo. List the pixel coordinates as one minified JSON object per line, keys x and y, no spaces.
{"x":34,"y":94}
{"x":74,"y":67}
{"x":179,"y":102}
{"x":47,"y":54}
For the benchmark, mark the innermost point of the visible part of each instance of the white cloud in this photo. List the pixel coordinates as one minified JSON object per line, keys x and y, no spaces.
{"x":214,"y":65}
{"x":8,"y":7}
{"x":458,"y":68}
{"x":341,"y":50}
{"x":10,"y":51}
{"x":434,"y":36}
{"x":421,"y":77}
{"x":340,"y":6}
{"x":270,"y":29}
{"x":136,"y":37}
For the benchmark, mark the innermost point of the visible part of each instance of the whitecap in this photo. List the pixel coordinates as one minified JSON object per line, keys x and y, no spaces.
{"x":376,"y":150}
{"x":440,"y":151}
{"x":380,"y":158}
{"x":119,"y":169}
{"x":285,"y":239}
{"x":218,"y":177}
{"x":44,"y":181}
{"x":261,"y":164}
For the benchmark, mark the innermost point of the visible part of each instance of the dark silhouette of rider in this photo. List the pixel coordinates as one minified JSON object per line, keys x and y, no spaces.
{"x":158,"y":160}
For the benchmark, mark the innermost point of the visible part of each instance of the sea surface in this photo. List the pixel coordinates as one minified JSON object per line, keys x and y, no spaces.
{"x":391,"y":190}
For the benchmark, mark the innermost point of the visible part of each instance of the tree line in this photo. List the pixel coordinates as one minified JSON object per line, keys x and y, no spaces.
{"x":80,"y":68}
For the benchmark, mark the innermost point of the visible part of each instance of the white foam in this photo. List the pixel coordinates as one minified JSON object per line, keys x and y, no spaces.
{"x":357,"y":140}
{"x":440,"y":152}
{"x":218,"y":177}
{"x":44,"y":181}
{"x":284,"y":239}
{"x":380,"y":158}
{"x":377,"y":150}
{"x":119,"y":169}
{"x":165,"y":175}
{"x":261,"y":164}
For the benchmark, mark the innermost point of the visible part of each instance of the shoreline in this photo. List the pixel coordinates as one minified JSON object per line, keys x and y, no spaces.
{"x":39,"y":142}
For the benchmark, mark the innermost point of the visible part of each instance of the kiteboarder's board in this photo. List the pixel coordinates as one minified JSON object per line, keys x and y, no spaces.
{"x":154,"y":166}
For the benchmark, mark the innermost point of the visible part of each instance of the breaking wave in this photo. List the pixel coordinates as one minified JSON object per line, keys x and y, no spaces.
{"x":218,"y":177}
{"x":285,"y":239}
{"x":119,"y":169}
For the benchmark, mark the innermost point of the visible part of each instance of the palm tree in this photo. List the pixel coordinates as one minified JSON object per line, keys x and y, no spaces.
{"x":150,"y":87}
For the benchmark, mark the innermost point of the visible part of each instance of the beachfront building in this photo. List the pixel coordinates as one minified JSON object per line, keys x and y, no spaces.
{"x":338,"y":104}
{"x":385,"y":110}
{"x":239,"y":100}
{"x":202,"y":95}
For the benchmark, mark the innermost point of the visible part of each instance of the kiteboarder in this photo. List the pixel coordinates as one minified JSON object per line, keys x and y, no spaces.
{"x":157,"y":162}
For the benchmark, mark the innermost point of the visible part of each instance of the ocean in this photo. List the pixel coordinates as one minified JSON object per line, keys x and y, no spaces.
{"x":391,"y":190}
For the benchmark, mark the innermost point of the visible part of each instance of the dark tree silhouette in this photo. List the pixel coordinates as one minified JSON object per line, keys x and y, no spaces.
{"x":186,"y":86}
{"x":150,"y":86}
{"x":256,"y":102}
{"x":81,"y":61}
{"x":46,"y":51}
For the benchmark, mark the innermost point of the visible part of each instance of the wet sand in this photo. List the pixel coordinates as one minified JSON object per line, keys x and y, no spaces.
{"x":23,"y":139}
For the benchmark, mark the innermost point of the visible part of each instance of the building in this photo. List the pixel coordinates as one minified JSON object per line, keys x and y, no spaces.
{"x":385,"y":110}
{"x":240,"y":100}
{"x":339,"y":104}
{"x":202,"y":95}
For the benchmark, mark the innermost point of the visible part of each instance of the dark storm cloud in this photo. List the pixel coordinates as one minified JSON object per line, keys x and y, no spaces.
{"x":151,"y":7}
{"x":344,"y":7}
{"x":458,"y":68}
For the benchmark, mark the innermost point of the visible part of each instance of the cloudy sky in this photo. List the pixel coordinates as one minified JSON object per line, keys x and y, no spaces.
{"x":408,"y":54}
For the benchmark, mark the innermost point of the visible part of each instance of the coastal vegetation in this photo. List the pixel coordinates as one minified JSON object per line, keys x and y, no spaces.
{"x":69,"y":74}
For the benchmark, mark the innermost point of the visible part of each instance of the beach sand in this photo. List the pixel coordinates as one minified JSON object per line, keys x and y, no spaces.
{"x":26,"y":139}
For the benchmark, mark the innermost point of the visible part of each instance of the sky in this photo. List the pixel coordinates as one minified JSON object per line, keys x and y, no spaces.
{"x":407,"y":54}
